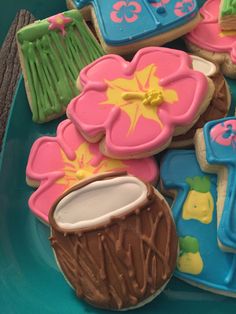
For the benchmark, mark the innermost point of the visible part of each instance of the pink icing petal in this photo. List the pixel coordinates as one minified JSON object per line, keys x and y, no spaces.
{"x":39,"y":163}
{"x":149,"y":174}
{"x":137,"y":6}
{"x":180,"y":109}
{"x":131,"y":19}
{"x":84,"y":118}
{"x":115,"y":18}
{"x":159,"y":4}
{"x":220,"y":129}
{"x":118,"y":5}
{"x":178,"y":12}
{"x":208,"y":35}
{"x":211,"y":9}
{"x":118,"y":137}
{"x":168,"y":61}
{"x":69,"y":138}
{"x":100,"y":69}
{"x":43,"y":198}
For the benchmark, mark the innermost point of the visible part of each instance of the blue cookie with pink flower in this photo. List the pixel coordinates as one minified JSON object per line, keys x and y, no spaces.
{"x":216,"y":151}
{"x":201,"y":262}
{"x":125,"y":26}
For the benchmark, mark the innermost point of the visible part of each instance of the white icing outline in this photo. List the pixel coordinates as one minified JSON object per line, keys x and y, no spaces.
{"x":197,"y":65}
{"x":95,"y":188}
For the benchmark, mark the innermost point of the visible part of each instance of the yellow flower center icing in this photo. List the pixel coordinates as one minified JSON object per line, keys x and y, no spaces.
{"x":81,"y":167}
{"x":139,"y":95}
{"x":149,"y":98}
{"x":59,"y":20}
{"x":82,"y":174}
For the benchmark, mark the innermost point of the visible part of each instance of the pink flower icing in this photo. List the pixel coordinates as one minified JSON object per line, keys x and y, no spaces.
{"x":59,"y":21}
{"x":183,"y":7}
{"x":208,"y":34}
{"x":138,"y":104}
{"x":132,"y":7}
{"x":224,"y":133}
{"x":159,"y":3}
{"x":57,"y":163}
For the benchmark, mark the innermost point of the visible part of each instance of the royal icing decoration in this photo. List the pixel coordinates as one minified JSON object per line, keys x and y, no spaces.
{"x":122,"y":21}
{"x":208,"y":34}
{"x":115,"y":241}
{"x":199,"y":203}
{"x":200,"y":261}
{"x":59,"y":22}
{"x":57,"y":163}
{"x":53,"y":52}
{"x":138,"y":104}
{"x":70,"y":212}
{"x":228,"y":14}
{"x":228,"y":7}
{"x":220,"y":140}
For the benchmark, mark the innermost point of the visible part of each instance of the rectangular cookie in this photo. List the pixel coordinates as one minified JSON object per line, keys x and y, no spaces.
{"x":52,"y":53}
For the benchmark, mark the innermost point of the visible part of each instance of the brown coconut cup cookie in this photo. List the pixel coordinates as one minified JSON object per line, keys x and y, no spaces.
{"x":115,"y":240}
{"x":219,"y":105}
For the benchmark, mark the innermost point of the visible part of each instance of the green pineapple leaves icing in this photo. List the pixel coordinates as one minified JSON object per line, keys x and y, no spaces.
{"x":199,"y":184}
{"x":52,"y":63}
{"x":188,"y":245}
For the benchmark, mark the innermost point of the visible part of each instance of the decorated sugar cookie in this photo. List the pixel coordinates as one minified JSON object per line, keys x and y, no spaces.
{"x":134,"y":108}
{"x":227,"y":16}
{"x":216,"y":152}
{"x":209,"y":41}
{"x":57,"y":163}
{"x":52,"y":53}
{"x":115,"y":241}
{"x":124,"y":26}
{"x":201,"y":262}
{"x":219,"y":105}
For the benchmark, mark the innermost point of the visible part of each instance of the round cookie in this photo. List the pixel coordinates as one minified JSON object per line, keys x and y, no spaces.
{"x":120,"y":24}
{"x":57,"y":163}
{"x":219,"y":104}
{"x":207,"y":40}
{"x":116,"y":252}
{"x":134,"y":108}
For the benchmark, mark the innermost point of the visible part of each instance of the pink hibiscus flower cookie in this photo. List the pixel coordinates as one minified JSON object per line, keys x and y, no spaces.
{"x":134,"y":108}
{"x":209,"y":41}
{"x":56,"y":164}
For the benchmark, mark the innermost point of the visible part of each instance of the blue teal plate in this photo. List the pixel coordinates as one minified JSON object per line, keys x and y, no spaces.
{"x":30,"y":282}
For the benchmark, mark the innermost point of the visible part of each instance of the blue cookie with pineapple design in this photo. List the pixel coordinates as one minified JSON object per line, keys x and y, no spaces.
{"x":124,"y":25}
{"x":201,"y":262}
{"x":216,"y":151}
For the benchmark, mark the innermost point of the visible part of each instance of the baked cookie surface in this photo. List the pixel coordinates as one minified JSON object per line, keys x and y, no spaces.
{"x":125,"y":26}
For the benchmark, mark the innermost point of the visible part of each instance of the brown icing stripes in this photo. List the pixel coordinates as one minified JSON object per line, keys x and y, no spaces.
{"x":124,"y":262}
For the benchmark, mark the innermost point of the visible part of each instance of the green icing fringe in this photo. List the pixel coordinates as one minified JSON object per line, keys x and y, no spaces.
{"x":52,"y":64}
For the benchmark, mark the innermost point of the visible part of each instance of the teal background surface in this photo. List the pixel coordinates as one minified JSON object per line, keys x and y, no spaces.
{"x":30,"y":281}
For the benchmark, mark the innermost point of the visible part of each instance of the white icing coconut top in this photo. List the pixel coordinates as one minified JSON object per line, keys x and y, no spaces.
{"x":206,"y":67}
{"x":98,"y":201}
